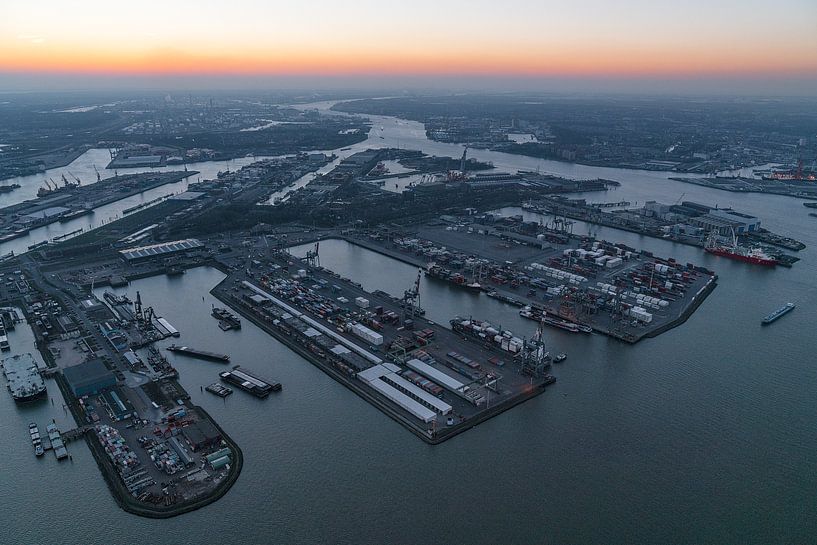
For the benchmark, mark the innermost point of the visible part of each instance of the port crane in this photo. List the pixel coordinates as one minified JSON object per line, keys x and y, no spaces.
{"x":461,"y":175}
{"x":98,"y":176}
{"x":313,"y":258}
{"x":411,"y":298}
{"x":535,"y":358}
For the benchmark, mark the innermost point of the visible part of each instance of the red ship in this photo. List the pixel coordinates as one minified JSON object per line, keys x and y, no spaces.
{"x":755,"y":256}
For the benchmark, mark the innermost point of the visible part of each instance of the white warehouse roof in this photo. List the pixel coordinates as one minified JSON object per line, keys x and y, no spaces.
{"x":142,"y":252}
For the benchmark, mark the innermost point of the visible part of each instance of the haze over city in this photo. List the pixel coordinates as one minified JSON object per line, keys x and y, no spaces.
{"x":755,"y":46}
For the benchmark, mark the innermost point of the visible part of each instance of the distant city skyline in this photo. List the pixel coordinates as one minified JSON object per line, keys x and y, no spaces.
{"x":423,"y":41}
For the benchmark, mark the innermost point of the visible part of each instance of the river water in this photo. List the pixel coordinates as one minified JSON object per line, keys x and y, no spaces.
{"x":705,"y":434}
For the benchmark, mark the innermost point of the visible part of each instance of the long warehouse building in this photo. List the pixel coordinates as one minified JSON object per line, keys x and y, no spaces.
{"x":384,"y":379}
{"x":443,"y":379}
{"x":306,"y":319}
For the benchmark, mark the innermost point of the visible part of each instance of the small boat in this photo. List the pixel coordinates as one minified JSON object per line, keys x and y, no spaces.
{"x":560,"y":358}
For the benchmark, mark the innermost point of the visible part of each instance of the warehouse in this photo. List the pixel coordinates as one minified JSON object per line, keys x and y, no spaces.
{"x":725,"y":221}
{"x":201,"y":434}
{"x":443,"y":379}
{"x":160,"y":250}
{"x":89,"y":378}
{"x":420,"y":411}
{"x":384,"y":379}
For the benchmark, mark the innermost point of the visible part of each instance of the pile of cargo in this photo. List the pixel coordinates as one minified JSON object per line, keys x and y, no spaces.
{"x":118,"y":451}
{"x":650,"y":302}
{"x":361,"y":331}
{"x":558,"y":274}
{"x":306,"y":298}
{"x":597,"y":256}
{"x":485,"y":331}
{"x":607,"y":289}
{"x":430,"y":387}
{"x":640,"y":314}
{"x":165,"y":458}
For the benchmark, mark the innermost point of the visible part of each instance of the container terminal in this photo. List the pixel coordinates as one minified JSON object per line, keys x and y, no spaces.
{"x":153,"y":445}
{"x":72,"y":200}
{"x":434,"y":381}
{"x":685,"y":222}
{"x":594,"y":284}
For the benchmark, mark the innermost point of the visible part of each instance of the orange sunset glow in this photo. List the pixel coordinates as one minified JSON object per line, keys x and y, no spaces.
{"x":476,"y":38}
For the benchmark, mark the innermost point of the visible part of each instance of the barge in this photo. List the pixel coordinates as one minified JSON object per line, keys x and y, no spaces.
{"x":24,"y":380}
{"x":777,"y":314}
{"x":249,"y":382}
{"x":219,"y":389}
{"x":200,"y":354}
{"x":226,"y":319}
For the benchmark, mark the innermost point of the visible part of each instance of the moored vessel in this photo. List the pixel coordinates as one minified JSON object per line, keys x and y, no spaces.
{"x":785,"y":309}
{"x":24,"y":380}
{"x":732,"y":250}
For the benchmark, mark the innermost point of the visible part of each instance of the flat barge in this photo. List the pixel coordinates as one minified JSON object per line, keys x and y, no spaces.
{"x":24,"y":380}
{"x":219,"y":389}
{"x":249,"y":382}
{"x":226,"y":319}
{"x":777,"y":314}
{"x":200,"y":354}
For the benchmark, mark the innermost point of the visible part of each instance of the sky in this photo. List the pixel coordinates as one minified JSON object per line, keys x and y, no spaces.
{"x":726,"y":43}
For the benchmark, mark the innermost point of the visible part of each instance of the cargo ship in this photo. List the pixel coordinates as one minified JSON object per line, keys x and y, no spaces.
{"x":755,"y":256}
{"x":483,"y":331}
{"x":24,"y":380}
{"x":435,"y":271}
{"x":537,"y":315}
{"x":785,"y":309}
{"x":505,"y":299}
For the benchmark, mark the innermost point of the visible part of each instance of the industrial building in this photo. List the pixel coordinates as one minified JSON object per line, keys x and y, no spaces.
{"x":418,"y":402}
{"x":162,"y":249}
{"x":201,"y":434}
{"x":725,"y":221}
{"x":89,"y":378}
